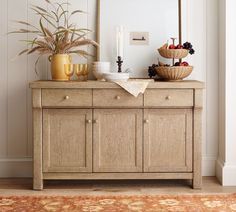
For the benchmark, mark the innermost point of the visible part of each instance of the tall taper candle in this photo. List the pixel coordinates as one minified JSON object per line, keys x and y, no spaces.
{"x":120,"y":41}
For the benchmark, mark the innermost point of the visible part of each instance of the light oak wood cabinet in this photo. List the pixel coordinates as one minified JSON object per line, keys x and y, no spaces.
{"x":117,"y":136}
{"x":96,"y":130}
{"x":168,"y":143}
{"x":67,"y":140}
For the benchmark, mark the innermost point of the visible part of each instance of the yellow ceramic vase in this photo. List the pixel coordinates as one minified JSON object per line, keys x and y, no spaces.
{"x":57,"y":66}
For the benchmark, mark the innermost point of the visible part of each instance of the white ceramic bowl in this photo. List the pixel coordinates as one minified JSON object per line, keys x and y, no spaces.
{"x":111,"y":77}
{"x":104,"y":67}
{"x":103,"y":70}
{"x":98,"y":75}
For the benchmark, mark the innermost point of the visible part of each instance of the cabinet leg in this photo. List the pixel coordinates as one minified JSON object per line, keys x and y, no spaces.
{"x":197,"y":182}
{"x":38,"y":155}
{"x":38,"y":184}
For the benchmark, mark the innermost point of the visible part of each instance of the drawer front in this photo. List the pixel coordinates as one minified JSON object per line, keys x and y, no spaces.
{"x":168,"y":98}
{"x":115,"y":98}
{"x":66,"y":97}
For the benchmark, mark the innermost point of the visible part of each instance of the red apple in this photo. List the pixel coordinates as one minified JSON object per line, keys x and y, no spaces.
{"x":179,"y":46}
{"x":184,"y":64}
{"x":172,"y":46}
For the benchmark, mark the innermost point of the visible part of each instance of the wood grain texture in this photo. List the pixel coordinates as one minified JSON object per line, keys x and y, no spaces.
{"x":185,"y":84}
{"x":197,"y":154}
{"x":198,"y":98}
{"x":37,"y":149}
{"x":116,"y":176}
{"x":67,"y":140}
{"x":36,"y":98}
{"x":115,"y":98}
{"x":117,"y":140}
{"x":66,"y":97}
{"x":197,"y":142}
{"x":168,"y":140}
{"x":168,"y":98}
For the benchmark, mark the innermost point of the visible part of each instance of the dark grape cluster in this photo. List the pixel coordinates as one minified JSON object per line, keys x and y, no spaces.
{"x":189,"y":46}
{"x":152,"y":71}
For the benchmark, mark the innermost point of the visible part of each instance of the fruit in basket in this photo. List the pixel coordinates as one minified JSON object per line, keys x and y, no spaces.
{"x":152,"y":71}
{"x":184,"y":64}
{"x":177,"y":64}
{"x":165,"y":46}
{"x":179,"y":46}
{"x":181,"y":64}
{"x":191,"y":51}
{"x":172,"y":46}
{"x":189,"y":46}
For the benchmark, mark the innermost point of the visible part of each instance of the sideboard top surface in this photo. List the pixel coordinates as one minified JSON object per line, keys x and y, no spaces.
{"x":92,"y":84}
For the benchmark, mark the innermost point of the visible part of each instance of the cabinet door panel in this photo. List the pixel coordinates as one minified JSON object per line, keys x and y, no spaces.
{"x":117,"y":140}
{"x":168,"y":140}
{"x":67,"y":140}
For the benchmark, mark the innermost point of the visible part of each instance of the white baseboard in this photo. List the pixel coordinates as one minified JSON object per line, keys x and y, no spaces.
{"x":19,"y":167}
{"x":226,"y":173}
{"x":22,"y":167}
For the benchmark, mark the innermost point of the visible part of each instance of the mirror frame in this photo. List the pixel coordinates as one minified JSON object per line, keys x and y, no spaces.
{"x":98,"y":23}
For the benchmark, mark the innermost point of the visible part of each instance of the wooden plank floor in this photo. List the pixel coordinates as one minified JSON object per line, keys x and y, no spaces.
{"x":151,"y":187}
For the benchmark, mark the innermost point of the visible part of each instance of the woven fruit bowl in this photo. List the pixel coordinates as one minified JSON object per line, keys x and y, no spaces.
{"x":174,"y":73}
{"x":173,"y":53}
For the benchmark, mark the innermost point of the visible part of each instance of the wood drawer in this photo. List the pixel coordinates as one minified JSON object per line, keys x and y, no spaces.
{"x":115,"y":98}
{"x":168,"y":98}
{"x":66,"y":97}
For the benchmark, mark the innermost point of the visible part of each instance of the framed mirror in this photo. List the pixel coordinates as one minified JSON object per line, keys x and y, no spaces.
{"x":146,"y":25}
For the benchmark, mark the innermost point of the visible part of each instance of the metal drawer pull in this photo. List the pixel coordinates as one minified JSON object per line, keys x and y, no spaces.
{"x":89,"y":121}
{"x":146,"y":121}
{"x":168,"y":97}
{"x":118,"y":97}
{"x":66,"y":97}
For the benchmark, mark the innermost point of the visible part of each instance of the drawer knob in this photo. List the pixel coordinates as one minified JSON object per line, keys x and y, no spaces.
{"x":118,"y":97}
{"x":95,"y":121}
{"x":168,"y":97}
{"x":66,"y":97}
{"x":89,"y":121}
{"x":146,"y":121}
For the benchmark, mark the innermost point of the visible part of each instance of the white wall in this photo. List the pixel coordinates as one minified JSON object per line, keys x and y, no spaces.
{"x":200,"y":27}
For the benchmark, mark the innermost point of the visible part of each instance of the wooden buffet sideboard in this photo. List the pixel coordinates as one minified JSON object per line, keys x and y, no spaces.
{"x":96,"y":130}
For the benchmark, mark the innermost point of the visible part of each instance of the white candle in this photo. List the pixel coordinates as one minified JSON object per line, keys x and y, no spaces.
{"x":120,"y":41}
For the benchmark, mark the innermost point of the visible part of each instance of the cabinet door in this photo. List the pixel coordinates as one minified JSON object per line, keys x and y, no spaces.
{"x":168,"y":140}
{"x":117,"y":140}
{"x":67,"y":140}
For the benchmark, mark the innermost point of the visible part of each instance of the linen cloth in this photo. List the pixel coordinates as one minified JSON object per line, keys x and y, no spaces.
{"x":134,"y":86}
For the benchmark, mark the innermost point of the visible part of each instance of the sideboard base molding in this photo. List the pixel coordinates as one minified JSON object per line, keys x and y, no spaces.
{"x":116,"y":176}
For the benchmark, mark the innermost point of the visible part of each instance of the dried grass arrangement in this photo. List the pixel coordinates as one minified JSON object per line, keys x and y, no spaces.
{"x":60,"y":36}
